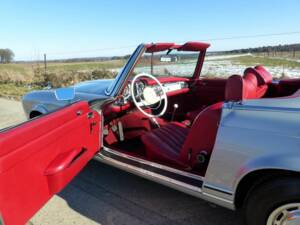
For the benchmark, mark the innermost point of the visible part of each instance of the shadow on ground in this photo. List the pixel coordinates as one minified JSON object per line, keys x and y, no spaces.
{"x":110,"y":196}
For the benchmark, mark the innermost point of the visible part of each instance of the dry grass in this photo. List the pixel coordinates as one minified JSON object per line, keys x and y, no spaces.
{"x":17,"y":79}
{"x":25,"y":73}
{"x":15,"y":91}
{"x":251,"y":60}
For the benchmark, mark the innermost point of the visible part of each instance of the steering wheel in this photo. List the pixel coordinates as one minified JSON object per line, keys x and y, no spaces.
{"x":150,"y":96}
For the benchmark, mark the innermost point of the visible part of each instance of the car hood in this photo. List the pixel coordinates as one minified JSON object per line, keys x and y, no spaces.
{"x":94,"y":87}
{"x":91,"y":91}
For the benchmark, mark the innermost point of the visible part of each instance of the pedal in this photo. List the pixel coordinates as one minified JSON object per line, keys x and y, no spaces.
{"x":121,"y":132}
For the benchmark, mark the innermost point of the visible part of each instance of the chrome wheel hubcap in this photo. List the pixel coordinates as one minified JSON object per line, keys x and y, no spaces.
{"x":288,"y":214}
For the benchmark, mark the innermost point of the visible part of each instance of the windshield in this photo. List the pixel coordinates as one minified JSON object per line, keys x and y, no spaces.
{"x":174,"y":63}
{"x":124,"y":71}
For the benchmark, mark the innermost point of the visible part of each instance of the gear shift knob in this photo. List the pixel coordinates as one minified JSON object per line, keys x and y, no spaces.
{"x":175,"y":106}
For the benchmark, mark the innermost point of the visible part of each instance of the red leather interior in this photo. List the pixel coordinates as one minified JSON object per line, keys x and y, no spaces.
{"x":40,"y":157}
{"x":239,"y":88}
{"x":263,"y":76}
{"x":189,"y":46}
{"x":165,"y":80}
{"x":164,"y":144}
{"x":194,"y":46}
{"x":202,"y":135}
{"x":174,"y":143}
{"x":204,"y":92}
{"x":253,"y":84}
{"x":288,"y":86}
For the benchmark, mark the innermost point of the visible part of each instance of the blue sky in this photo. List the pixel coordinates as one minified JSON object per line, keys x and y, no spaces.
{"x":69,"y":28}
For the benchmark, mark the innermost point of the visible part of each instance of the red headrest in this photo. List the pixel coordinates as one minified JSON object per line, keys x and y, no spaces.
{"x":239,"y":88}
{"x":262,"y":75}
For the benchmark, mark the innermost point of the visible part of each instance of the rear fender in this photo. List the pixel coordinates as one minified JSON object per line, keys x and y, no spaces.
{"x":282,"y":162}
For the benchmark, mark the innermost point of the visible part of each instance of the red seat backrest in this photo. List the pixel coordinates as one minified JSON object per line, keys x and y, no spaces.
{"x":253,"y":84}
{"x":202,"y":135}
{"x":239,"y":88}
{"x":263,"y":76}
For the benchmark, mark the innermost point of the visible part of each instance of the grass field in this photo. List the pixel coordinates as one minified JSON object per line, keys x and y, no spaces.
{"x":289,"y":55}
{"x":17,"y":79}
{"x":25,"y":72}
{"x":15,"y":91}
{"x":77,"y":66}
{"x":250,"y":60}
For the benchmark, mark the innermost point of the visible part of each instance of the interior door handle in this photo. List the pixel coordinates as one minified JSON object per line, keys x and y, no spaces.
{"x":64,"y":161}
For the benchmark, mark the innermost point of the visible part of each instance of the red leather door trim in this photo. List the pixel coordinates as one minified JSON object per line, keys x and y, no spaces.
{"x":40,"y":157}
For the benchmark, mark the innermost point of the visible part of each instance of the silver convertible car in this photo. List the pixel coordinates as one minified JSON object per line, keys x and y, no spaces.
{"x":234,"y":142}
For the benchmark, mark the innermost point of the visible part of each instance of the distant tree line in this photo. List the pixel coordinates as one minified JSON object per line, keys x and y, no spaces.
{"x":6,"y":55}
{"x":277,"y":48}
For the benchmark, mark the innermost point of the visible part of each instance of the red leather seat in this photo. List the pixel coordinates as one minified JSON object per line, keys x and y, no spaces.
{"x":176,"y":144}
{"x":239,"y":88}
{"x":264,"y":78}
{"x":253,"y":84}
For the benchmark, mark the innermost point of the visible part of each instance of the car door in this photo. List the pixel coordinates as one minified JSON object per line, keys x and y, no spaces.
{"x":40,"y":157}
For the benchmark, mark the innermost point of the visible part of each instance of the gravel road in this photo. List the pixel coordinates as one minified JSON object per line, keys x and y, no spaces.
{"x":104,"y":195}
{"x":11,"y":113}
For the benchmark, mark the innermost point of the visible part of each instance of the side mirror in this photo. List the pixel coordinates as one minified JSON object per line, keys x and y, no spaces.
{"x":65,"y":94}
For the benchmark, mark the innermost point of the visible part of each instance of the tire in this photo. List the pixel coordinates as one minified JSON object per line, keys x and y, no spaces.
{"x":272,"y":200}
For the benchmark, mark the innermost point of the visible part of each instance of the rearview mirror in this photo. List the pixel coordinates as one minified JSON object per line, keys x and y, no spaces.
{"x":65,"y":94}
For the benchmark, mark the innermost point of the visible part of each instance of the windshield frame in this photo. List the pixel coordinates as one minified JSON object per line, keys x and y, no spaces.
{"x":121,"y":78}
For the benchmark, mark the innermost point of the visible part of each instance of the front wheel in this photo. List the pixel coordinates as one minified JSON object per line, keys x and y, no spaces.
{"x":276,"y":202}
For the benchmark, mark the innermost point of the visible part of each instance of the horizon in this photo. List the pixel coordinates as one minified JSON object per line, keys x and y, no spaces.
{"x":99,"y":57}
{"x":66,"y":29}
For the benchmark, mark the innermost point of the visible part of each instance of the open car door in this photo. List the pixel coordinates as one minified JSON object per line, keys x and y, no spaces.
{"x":40,"y":157}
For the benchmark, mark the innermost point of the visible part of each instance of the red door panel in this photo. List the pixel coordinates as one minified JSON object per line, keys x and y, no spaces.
{"x":39,"y":158}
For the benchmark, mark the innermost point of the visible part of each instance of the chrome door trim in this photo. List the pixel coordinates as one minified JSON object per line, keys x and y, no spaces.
{"x":154,"y":176}
{"x":153,"y":164}
{"x":214,"y":188}
{"x":196,"y":191}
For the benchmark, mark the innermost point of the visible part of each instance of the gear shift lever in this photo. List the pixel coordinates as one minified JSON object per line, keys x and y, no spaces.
{"x":175,"y":107}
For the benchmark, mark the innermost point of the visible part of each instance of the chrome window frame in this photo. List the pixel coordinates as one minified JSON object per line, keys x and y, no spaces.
{"x":121,"y":79}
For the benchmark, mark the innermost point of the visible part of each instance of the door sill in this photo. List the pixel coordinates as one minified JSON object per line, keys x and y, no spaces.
{"x":177,"y":179}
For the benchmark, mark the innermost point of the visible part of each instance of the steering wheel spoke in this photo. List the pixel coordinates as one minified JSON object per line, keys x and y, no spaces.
{"x":141,"y":104}
{"x":150,"y":96}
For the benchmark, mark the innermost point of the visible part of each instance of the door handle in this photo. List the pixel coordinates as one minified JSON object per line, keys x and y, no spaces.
{"x":64,"y":161}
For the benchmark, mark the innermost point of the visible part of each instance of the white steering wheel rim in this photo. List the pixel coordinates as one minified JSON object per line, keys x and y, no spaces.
{"x":164,"y":95}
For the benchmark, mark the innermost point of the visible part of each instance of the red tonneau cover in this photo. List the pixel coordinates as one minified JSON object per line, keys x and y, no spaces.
{"x":189,"y":46}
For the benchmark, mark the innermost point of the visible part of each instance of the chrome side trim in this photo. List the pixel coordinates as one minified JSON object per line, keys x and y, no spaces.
{"x":190,"y":189}
{"x":155,"y":176}
{"x":219,"y":199}
{"x":214,"y":188}
{"x":153,"y":164}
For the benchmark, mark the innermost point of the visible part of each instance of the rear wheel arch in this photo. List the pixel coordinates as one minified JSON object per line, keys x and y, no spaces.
{"x":253,"y":179}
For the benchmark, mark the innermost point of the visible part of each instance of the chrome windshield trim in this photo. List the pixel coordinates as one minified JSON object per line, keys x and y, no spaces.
{"x":122,"y":77}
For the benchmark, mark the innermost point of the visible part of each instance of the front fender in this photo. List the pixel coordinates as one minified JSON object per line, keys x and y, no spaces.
{"x":39,"y":108}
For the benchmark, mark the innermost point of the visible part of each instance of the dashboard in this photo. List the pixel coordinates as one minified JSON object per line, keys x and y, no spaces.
{"x":171,"y":88}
